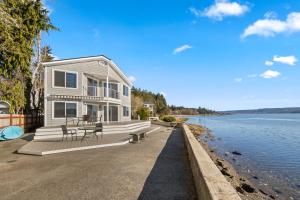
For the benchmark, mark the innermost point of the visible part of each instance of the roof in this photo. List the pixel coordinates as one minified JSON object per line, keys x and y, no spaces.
{"x":86,"y":59}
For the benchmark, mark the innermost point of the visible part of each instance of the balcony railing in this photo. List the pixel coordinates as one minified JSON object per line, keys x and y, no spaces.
{"x":95,"y":91}
{"x":92,"y":91}
{"x":111,"y":93}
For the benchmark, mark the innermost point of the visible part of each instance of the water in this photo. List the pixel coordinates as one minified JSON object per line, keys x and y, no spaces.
{"x":270,"y":147}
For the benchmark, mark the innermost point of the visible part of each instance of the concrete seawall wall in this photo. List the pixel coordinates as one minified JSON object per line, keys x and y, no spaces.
{"x":209,"y":182}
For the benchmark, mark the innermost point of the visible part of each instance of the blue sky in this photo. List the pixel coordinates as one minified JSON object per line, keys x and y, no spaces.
{"x":224,"y":54}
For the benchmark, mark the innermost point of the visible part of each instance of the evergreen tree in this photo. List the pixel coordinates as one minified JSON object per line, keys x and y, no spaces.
{"x":21,"y":22}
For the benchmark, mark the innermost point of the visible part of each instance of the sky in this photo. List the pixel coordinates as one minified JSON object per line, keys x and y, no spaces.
{"x":218,"y":54}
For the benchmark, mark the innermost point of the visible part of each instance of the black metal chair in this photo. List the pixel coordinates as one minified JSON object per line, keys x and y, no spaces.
{"x":98,"y":128}
{"x":84,"y":118}
{"x":67,"y":132}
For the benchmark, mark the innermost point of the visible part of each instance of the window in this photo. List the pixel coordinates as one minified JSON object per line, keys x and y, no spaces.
{"x":63,"y":109}
{"x":59,"y":109}
{"x":59,"y":79}
{"x":65,"y":79}
{"x":125,"y":111}
{"x":71,"y":109}
{"x":125,"y":90}
{"x":71,"y":80}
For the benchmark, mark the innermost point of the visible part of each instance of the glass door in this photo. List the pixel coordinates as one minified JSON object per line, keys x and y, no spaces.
{"x":92,"y":111}
{"x":113,"y":113}
{"x":92,"y":87}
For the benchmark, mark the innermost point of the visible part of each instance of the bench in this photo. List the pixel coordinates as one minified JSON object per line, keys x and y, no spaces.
{"x":139,"y":135}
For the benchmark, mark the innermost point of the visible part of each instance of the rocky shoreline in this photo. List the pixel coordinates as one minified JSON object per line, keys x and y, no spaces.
{"x":245,"y":188}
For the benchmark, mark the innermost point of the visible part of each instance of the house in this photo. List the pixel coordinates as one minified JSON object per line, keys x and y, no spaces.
{"x":93,"y":86}
{"x":4,"y":107}
{"x":150,"y":106}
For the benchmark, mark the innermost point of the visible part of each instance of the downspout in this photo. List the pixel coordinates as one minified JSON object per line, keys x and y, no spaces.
{"x":107,"y":103}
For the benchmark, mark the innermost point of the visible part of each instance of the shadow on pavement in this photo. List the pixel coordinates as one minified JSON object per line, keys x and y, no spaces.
{"x":171,"y":176}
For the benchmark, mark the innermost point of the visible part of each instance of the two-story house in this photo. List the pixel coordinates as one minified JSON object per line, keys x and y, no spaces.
{"x":93,"y":86}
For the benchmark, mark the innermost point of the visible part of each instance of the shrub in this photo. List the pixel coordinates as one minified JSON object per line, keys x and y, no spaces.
{"x":144,"y":113}
{"x":168,"y":118}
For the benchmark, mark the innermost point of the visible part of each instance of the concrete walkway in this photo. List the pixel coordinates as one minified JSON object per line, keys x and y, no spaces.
{"x":156,"y":168}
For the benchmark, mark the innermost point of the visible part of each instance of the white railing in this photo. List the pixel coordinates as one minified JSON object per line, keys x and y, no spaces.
{"x":111,"y":93}
{"x":97,"y":91}
{"x":92,"y":90}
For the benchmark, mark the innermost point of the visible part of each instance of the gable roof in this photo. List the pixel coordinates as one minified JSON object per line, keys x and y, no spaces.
{"x":87,"y":59}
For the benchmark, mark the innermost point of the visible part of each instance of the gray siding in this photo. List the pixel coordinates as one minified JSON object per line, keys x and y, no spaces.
{"x":81,"y":68}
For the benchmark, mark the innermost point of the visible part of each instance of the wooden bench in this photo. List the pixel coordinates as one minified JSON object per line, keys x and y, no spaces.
{"x":139,"y":135}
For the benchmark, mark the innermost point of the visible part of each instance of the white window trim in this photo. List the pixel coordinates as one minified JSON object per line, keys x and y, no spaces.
{"x":123,"y":90}
{"x":65,"y":108}
{"x":123,"y":111}
{"x":66,"y":71}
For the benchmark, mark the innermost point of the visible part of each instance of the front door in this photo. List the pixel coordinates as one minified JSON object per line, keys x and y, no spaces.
{"x":113,"y":113}
{"x":92,"y":111}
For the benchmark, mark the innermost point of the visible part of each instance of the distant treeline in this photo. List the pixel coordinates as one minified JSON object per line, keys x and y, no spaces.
{"x":180,"y":110}
{"x":265,"y":111}
{"x":141,"y":97}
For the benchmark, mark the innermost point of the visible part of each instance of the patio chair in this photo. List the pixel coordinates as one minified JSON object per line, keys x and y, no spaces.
{"x":98,"y":128}
{"x":84,"y":118}
{"x":67,"y":132}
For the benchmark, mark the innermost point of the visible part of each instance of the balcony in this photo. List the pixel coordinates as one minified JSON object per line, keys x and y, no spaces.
{"x":111,"y":93}
{"x":95,"y":91}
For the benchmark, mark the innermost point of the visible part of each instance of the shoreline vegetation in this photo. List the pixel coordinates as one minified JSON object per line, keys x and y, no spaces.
{"x":245,"y":188}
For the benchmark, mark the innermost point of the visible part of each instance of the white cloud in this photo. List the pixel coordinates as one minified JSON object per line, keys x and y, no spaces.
{"x":238,"y":80}
{"x":195,"y":12}
{"x":289,"y":60}
{"x":270,"y":15}
{"x":132,"y":78}
{"x":221,"y":9}
{"x":270,"y":27}
{"x":182,"y":48}
{"x":47,"y":7}
{"x":55,"y":57}
{"x":252,"y":75}
{"x":270,"y":74}
{"x":163,"y":93}
{"x":269,"y":63}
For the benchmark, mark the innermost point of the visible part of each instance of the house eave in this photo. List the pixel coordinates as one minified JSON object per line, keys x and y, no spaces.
{"x":89,"y":59}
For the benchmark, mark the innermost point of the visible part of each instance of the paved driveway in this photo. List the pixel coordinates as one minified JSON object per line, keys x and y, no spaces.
{"x":154,"y":169}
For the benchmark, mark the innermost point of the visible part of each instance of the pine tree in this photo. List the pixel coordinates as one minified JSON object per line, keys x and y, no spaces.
{"x":21,"y":22}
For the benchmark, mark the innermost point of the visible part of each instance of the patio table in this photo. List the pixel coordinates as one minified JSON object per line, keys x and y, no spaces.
{"x":88,"y":130}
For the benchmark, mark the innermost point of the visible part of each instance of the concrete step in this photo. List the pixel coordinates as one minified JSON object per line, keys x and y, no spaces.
{"x":49,"y":133}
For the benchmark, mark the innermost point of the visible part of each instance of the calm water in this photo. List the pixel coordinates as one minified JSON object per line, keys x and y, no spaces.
{"x":270,"y":147}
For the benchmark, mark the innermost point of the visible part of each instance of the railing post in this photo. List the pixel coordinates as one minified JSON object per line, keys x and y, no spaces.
{"x":10,"y":120}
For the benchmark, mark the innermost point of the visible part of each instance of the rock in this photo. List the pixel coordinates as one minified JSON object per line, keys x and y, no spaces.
{"x":242,"y":179}
{"x":220,"y":163}
{"x":225,"y":173}
{"x":236,"y":153}
{"x":263,"y":192}
{"x":239,"y":189}
{"x":271,"y":196}
{"x":248,"y":188}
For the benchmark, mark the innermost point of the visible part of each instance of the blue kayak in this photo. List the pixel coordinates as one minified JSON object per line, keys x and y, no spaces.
{"x":11,"y":132}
